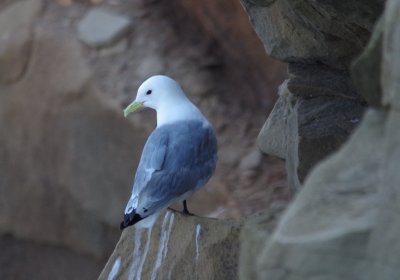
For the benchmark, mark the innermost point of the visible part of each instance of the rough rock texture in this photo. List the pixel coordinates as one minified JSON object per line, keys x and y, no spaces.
{"x":303,"y":131}
{"x":279,"y":135}
{"x":324,"y":123}
{"x":344,"y":223}
{"x":318,"y":39}
{"x":332,"y":216}
{"x":177,"y":247}
{"x":255,"y":231}
{"x":314,"y":31}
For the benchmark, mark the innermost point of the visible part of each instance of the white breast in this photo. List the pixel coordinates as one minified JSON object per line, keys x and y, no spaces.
{"x":171,"y":112}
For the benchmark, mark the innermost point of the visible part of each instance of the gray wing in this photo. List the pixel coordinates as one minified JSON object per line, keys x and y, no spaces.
{"x":152,"y":160}
{"x":177,"y":158}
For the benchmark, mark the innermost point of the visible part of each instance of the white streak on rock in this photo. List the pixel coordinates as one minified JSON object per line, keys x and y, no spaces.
{"x":115,"y":269}
{"x":161,"y":246}
{"x":171,"y":221}
{"x":148,"y":222}
{"x":198,"y":229}
{"x":136,"y":253}
{"x":146,"y":251}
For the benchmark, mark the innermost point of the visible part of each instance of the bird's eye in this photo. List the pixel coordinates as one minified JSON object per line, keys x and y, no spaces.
{"x":149,"y":92}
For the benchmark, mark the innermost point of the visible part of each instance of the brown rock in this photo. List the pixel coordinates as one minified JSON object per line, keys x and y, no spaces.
{"x":256,"y":230}
{"x":210,"y":48}
{"x":16,"y":21}
{"x":67,"y":157}
{"x":65,"y":149}
{"x":25,"y":260}
{"x":177,"y":247}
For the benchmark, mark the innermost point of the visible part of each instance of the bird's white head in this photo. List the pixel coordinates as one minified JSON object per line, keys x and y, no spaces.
{"x":155,"y":92}
{"x":166,"y":96}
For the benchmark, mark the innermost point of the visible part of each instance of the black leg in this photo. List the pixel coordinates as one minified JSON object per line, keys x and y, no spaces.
{"x":185,"y":209}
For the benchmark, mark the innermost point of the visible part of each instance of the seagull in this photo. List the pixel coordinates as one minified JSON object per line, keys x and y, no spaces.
{"x":179,"y":156}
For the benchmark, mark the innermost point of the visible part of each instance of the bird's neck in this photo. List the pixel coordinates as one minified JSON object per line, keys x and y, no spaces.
{"x":171,"y":112}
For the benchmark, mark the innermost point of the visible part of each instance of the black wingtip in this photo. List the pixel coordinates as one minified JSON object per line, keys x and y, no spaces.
{"x":129,"y":220}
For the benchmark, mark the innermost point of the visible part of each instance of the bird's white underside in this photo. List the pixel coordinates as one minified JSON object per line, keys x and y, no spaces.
{"x":177,"y":110}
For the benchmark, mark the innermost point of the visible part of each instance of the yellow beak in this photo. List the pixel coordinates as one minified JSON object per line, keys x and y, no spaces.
{"x":132,"y":108}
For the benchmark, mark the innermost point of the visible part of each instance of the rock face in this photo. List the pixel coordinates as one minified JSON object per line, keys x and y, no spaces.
{"x":24,"y":260}
{"x":319,"y":106}
{"x":177,"y":247}
{"x":16,"y":38}
{"x":67,"y":155}
{"x":344,"y":223}
{"x":64,"y":148}
{"x":314,"y":31}
{"x":59,"y":169}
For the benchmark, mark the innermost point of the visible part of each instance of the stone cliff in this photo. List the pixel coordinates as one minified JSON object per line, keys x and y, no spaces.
{"x":343,"y":224}
{"x":335,"y":123}
{"x":67,"y":155}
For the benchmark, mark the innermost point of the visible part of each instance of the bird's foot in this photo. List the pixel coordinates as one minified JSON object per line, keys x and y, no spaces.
{"x":185,"y":210}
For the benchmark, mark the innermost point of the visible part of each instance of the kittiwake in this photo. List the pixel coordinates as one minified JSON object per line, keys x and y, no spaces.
{"x":179,"y":156}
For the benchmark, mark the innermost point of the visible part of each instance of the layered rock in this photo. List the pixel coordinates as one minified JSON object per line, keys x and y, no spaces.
{"x":318,"y":40}
{"x":177,"y":247}
{"x":344,"y":223}
{"x":314,"y":31}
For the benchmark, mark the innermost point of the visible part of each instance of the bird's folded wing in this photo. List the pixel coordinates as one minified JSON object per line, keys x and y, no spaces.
{"x":152,"y":160}
{"x":174,"y":161}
